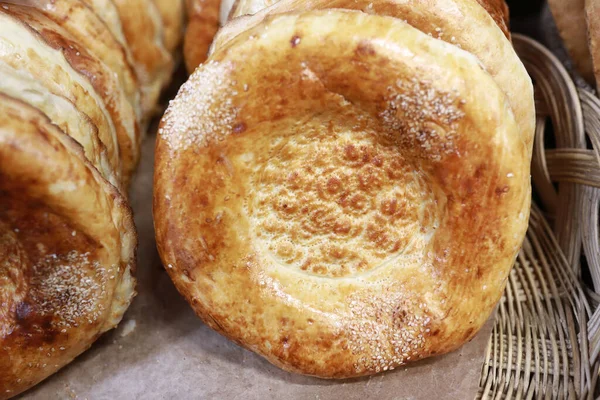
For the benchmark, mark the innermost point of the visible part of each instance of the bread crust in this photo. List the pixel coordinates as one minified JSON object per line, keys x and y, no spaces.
{"x":341,"y":204}
{"x":203,"y":21}
{"x":67,"y":241}
{"x":459,"y":22}
{"x":498,"y":10}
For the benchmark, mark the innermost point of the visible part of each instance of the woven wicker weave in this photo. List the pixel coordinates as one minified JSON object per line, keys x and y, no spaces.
{"x":546,"y":338}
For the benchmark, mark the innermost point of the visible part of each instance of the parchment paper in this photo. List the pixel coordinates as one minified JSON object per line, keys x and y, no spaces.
{"x":161,"y":350}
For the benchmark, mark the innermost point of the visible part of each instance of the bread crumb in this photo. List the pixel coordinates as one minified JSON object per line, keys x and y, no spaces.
{"x":128,"y":327}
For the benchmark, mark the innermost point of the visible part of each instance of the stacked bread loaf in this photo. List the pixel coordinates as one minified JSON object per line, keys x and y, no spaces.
{"x":79,"y":81}
{"x":203,"y":23}
{"x":343,"y":186}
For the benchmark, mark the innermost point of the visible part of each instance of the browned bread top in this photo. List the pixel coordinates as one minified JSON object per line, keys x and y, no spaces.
{"x":340,"y":203}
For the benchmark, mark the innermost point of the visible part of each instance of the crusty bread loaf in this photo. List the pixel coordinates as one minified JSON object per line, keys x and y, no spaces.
{"x":94,"y":34}
{"x":61,"y":69}
{"x":468,"y":27}
{"x":203,"y":23}
{"x":172,"y":16}
{"x":205,"y":16}
{"x":143,"y":29}
{"x":20,"y":85}
{"x":343,"y":193}
{"x":78,"y":84}
{"x":66,"y":271}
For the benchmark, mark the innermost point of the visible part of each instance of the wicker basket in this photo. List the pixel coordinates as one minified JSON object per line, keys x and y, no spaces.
{"x":546,"y":338}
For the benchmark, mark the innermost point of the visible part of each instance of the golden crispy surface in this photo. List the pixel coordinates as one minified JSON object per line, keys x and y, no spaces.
{"x":67,"y":245}
{"x":203,"y":22}
{"x":97,"y":56}
{"x":350,"y":202}
{"x":459,"y":22}
{"x":341,"y":204}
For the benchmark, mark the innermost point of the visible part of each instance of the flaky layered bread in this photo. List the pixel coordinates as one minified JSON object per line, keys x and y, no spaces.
{"x":202,"y":24}
{"x":151,"y":32}
{"x":497,"y":9}
{"x":47,"y":39}
{"x":93,"y":33}
{"x":20,"y":85}
{"x":77,"y":85}
{"x":144,"y":32}
{"x":172,"y":16}
{"x":65,"y":269}
{"x":463,"y":23}
{"x":60,"y":70}
{"x":109,"y":13}
{"x":104,"y":81}
{"x":343,"y":193}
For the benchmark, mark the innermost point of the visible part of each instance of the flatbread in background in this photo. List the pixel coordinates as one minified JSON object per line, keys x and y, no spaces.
{"x":570,"y":18}
{"x":592,"y":15}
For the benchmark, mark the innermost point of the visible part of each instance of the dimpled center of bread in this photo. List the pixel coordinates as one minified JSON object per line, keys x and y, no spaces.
{"x":335,"y":198}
